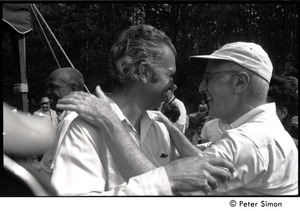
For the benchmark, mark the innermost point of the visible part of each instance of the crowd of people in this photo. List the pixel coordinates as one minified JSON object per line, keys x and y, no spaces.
{"x":139,"y":139}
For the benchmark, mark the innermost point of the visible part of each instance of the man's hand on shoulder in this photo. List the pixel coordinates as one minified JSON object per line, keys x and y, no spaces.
{"x":198,"y":174}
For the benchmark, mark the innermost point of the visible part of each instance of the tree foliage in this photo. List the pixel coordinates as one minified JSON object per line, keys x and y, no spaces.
{"x":86,"y":31}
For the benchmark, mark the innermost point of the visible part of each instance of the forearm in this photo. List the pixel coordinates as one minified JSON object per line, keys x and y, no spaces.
{"x":181,"y":128}
{"x":98,"y":112}
{"x":24,"y":135}
{"x":182,"y":144}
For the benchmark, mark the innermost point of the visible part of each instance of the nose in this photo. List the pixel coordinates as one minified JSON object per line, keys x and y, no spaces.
{"x":173,"y":86}
{"x":202,"y":86}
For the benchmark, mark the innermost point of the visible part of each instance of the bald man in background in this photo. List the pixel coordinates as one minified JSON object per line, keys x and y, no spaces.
{"x":60,"y":83}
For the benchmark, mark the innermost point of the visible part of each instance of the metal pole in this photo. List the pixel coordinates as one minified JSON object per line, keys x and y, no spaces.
{"x":52,"y":35}
{"x":23,"y":89}
{"x":36,"y":17}
{"x":56,"y":40}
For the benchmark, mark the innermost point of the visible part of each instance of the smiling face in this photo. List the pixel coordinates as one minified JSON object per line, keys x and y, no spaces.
{"x":45,"y":107}
{"x":57,"y":89}
{"x":218,"y":90}
{"x":162,"y":80}
{"x":62,"y":82}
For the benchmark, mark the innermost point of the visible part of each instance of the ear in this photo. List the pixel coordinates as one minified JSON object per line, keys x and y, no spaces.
{"x":282,"y":112}
{"x":240,"y":82}
{"x":145,"y":72}
{"x":74,"y":87}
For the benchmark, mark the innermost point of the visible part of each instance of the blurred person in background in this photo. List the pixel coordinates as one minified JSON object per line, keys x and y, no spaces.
{"x":284,"y":92}
{"x":60,"y":83}
{"x":170,"y":99}
{"x":203,"y":108}
{"x":171,"y":111}
{"x":46,"y":113}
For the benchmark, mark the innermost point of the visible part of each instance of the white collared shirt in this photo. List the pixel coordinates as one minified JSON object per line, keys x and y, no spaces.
{"x":50,"y":116}
{"x":47,"y":161}
{"x":84,"y":166}
{"x":264,"y":154}
{"x":211,"y":131}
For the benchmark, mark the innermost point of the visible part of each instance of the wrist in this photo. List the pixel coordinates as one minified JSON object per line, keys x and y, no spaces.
{"x":172,"y":128}
{"x":170,"y":178}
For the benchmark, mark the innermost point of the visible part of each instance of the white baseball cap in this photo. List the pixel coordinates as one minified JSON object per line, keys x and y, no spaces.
{"x":248,"y":55}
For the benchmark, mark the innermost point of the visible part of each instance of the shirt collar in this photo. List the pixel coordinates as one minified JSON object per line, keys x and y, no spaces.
{"x":269,"y":107}
{"x":171,"y":101}
{"x":151,"y":114}
{"x":146,"y":120}
{"x":64,"y":114}
{"x":120,"y":114}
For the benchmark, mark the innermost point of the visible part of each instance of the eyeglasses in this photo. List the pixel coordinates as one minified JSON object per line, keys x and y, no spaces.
{"x":208,"y":76}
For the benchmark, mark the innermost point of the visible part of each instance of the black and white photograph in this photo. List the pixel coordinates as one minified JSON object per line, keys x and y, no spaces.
{"x":180,"y":100}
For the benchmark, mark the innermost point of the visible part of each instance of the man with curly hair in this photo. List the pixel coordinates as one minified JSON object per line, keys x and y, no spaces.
{"x":142,"y":65}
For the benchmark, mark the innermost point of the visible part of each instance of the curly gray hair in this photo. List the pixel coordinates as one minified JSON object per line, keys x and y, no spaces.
{"x":137,"y":44}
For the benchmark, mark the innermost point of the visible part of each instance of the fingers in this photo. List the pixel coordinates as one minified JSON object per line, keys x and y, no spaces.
{"x":215,"y":176}
{"x":76,"y":101}
{"x":68,"y":103}
{"x":222,"y":163}
{"x":78,"y":107}
{"x":83,"y":102}
{"x":101,"y":94}
{"x":220,"y":173}
{"x":162,"y":118}
{"x":212,"y":182}
{"x":220,"y":169}
{"x":206,"y":188}
{"x":193,"y":174}
{"x":75,"y":97}
{"x":78,"y":94}
{"x":66,"y":107}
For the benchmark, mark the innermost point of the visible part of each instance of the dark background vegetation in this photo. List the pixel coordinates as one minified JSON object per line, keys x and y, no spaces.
{"x":86,"y":31}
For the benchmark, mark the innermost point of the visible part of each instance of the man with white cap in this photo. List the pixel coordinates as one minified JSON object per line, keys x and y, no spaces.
{"x":236,"y":83}
{"x":99,"y":160}
{"x":48,"y":115}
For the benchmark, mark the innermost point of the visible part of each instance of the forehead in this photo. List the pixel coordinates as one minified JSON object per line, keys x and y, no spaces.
{"x":215,"y":66}
{"x":58,"y":78}
{"x":56,"y":83}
